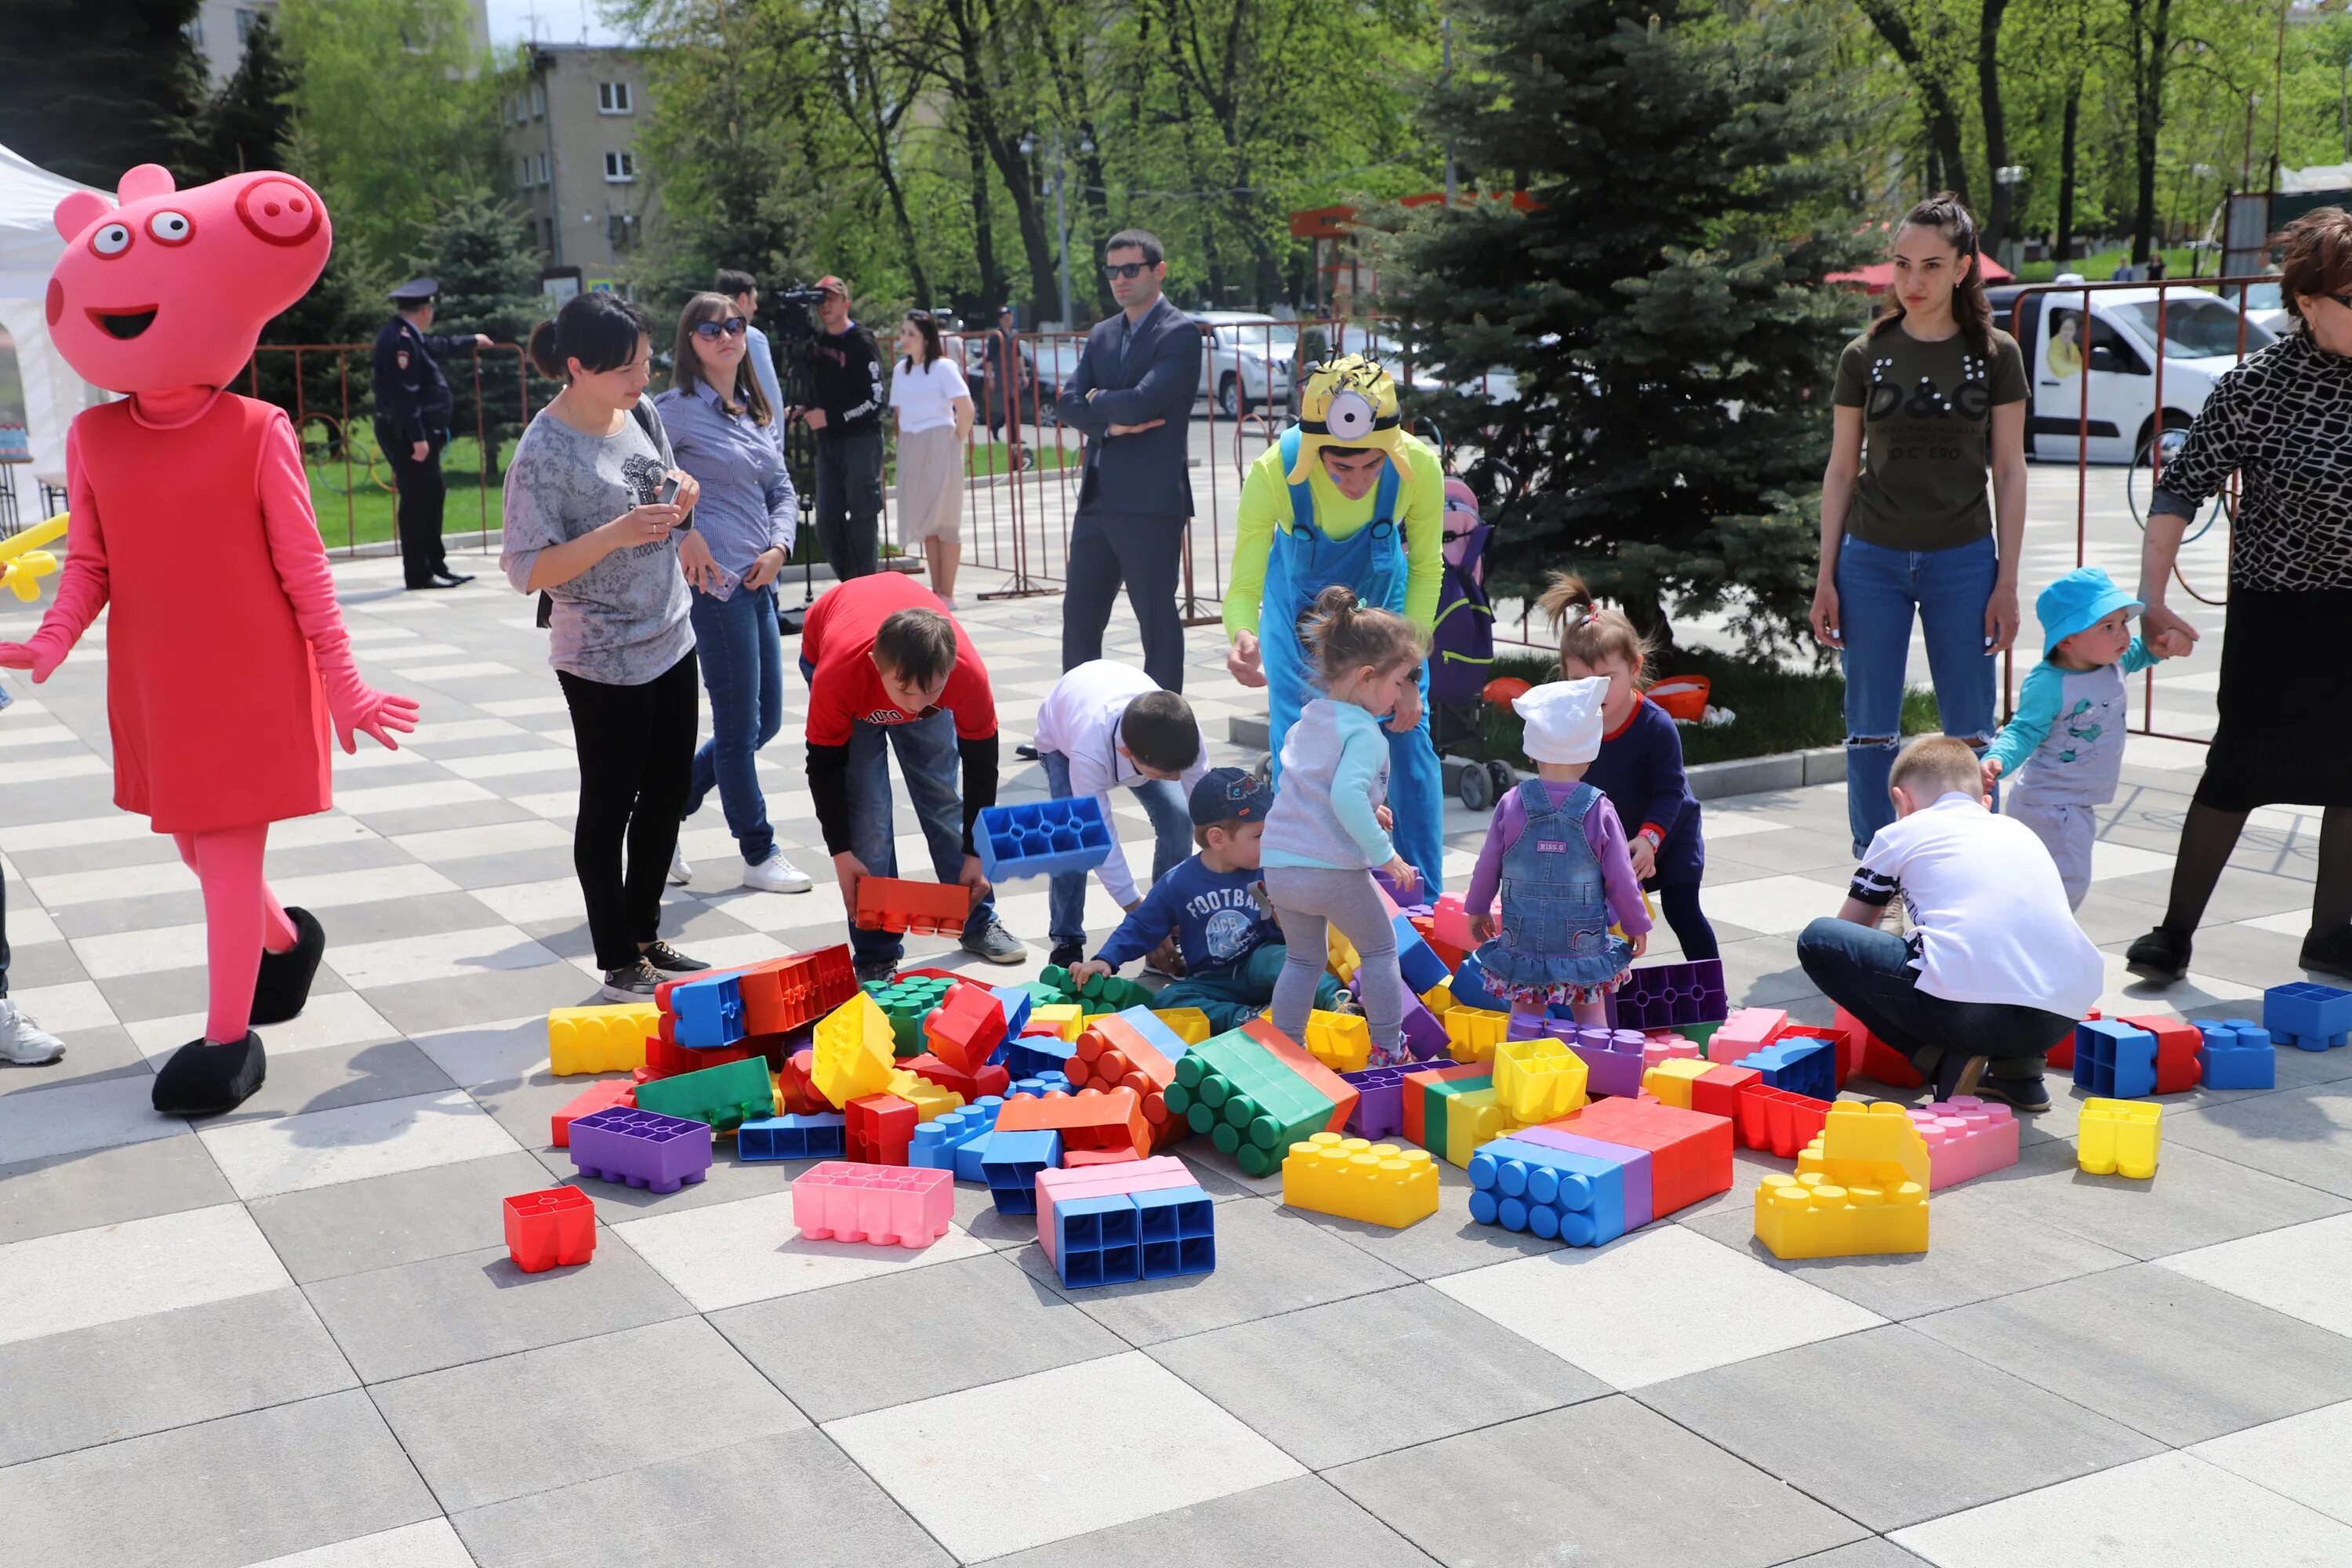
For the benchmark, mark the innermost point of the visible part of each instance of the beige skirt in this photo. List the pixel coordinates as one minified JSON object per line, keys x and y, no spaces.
{"x":931,"y":486}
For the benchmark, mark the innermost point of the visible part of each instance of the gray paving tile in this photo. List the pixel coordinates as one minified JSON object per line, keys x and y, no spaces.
{"x":264,"y":1484}
{"x":428,"y":1006}
{"x":1592,"y":1483}
{"x":2158,"y":1351}
{"x":2194,"y":1199}
{"x":1876,"y":1552}
{"x":149,"y":1373}
{"x":1966,"y":1433}
{"x":1267,"y":1261}
{"x":975,"y":1321}
{"x":429,"y":819}
{"x":106,"y":1051}
{"x":383,"y":1222}
{"x":796,"y":1484}
{"x":1977,"y":1248}
{"x":148,"y":911}
{"x":1761,"y":971}
{"x":1447,"y":1242}
{"x":44,"y":963}
{"x":493,"y":1430}
{"x":469,"y":1306}
{"x":1301,"y":1519}
{"x":2298,"y":1134}
{"x":107,"y":1187}
{"x":546,"y":865}
{"x":422,"y":914}
{"x":1351,"y":1379}
{"x":327,"y":1076}
{"x":171,"y":993}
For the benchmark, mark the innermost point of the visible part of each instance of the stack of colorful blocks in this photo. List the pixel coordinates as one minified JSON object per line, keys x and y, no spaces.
{"x":1868,"y":1194}
{"x":1141,"y":1220}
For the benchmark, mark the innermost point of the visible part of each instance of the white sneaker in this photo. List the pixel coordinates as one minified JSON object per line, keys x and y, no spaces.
{"x":777,"y":875}
{"x":680,"y":873}
{"x":23,"y":1042}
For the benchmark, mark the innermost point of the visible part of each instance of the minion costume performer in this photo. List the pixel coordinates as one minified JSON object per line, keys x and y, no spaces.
{"x":1349,"y":496}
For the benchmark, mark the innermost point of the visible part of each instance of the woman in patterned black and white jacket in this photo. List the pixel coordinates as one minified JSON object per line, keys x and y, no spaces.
{"x":2283,"y":422}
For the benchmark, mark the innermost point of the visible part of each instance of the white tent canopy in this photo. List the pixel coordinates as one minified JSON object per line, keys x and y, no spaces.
{"x":29,"y":248}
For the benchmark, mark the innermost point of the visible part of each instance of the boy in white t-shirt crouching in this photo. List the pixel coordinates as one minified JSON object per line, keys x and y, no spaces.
{"x":1995,"y":970}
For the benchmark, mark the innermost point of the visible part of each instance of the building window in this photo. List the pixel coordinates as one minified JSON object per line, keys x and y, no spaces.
{"x":194,"y":30}
{"x":620,"y":230}
{"x":620,"y":168}
{"x":537,"y":100}
{"x":542,"y":169}
{"x":611,"y":98}
{"x":245,"y":21}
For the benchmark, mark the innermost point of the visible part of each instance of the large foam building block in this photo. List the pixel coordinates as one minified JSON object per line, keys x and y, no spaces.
{"x":855,"y":1051}
{"x":2308,"y":1016}
{"x":721,"y":1096}
{"x":880,"y":1129}
{"x":966,"y":1087}
{"x":1188,"y":1024}
{"x":2236,"y":1053}
{"x":600,"y":1039}
{"x":1806,"y":1066}
{"x":1063,"y":1020}
{"x":1474,"y":1118}
{"x":708,"y":1011}
{"x":1090,"y":1118}
{"x":966,"y":1027}
{"x":2118,"y":1137}
{"x":1133,"y":1048}
{"x":941,"y":1142}
{"x":1665,"y":1046}
{"x":2177,"y":1040}
{"x":1439,"y":1097}
{"x":640,"y":1148}
{"x":1341,"y":1041}
{"x":1612,"y":1059}
{"x":1873,"y":1057}
{"x":1043,"y":838}
{"x":907,"y":1002}
{"x":1251,"y":1101}
{"x":1321,"y":1079}
{"x":1009,"y":1163}
{"x":1671,"y":1081}
{"x":1471,"y":987}
{"x":1717,"y":1091}
{"x":1553,"y":1193}
{"x":2115,"y":1059}
{"x":1667,"y":997}
{"x":1538,"y":1079}
{"x":1634,"y":1164}
{"x":1379,"y":1102}
{"x":1472,"y":1033}
{"x":1966,"y":1138}
{"x":819,"y":1137}
{"x":884,"y":1206}
{"x":1745,"y":1033}
{"x":1806,"y":1217}
{"x":1415,"y":1098}
{"x":1052,"y":1186}
{"x":551,"y":1229}
{"x":1420,"y":965}
{"x":596,"y":1097}
{"x":890,"y":903}
{"x":1378,"y":1183}
{"x":1690,"y":1153}
{"x":1773,"y":1119}
{"x":1098,"y":993}
{"x":1114,"y":1224}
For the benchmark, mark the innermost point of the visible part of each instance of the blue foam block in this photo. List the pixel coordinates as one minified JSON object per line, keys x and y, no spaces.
{"x":2115,"y":1059}
{"x":708,"y":1013}
{"x":2236,"y":1053}
{"x":1550,"y":1192}
{"x":1043,"y":838}
{"x":818,"y":1137}
{"x":2307,"y":1016}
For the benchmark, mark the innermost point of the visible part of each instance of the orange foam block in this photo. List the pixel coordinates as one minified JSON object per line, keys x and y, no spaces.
{"x":1090,"y":1118}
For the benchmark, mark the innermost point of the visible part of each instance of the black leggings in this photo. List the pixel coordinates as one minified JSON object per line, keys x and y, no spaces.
{"x":636,"y":760}
{"x":1679,"y":904}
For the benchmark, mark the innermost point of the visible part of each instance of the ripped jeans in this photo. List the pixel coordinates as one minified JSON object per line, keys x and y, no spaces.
{"x":1878,"y":590}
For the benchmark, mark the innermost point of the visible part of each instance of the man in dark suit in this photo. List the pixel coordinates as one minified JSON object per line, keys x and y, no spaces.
{"x":1131,"y":397}
{"x":413,"y":404}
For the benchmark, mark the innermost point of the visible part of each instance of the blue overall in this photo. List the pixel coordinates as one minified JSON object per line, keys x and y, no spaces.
{"x":1556,"y":918}
{"x":1301,"y":564}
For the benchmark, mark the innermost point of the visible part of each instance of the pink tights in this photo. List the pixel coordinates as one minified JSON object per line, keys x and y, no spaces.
{"x":241,"y":917}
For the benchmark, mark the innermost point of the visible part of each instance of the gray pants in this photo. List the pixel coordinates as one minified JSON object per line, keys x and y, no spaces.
{"x":1308,"y":900}
{"x":1142,"y":549}
{"x":2066,"y":829}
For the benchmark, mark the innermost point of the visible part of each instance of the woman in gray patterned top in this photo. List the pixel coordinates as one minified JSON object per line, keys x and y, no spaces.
{"x":2282,"y":422}
{"x":588,"y":526}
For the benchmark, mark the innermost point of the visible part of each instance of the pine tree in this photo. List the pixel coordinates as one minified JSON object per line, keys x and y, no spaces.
{"x":247,"y":122}
{"x":487,"y":266}
{"x":1660,"y":302}
{"x":92,"y":90}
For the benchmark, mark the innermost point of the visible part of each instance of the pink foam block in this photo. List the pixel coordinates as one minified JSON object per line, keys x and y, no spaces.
{"x":1159,"y":1172}
{"x":1453,"y":924}
{"x":1966,"y":1138}
{"x":906,"y":1205}
{"x":1665,"y":1044}
{"x":1745,"y":1033}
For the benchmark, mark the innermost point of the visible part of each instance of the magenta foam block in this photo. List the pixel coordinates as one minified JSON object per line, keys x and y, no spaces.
{"x":1966,"y":1137}
{"x":903,"y":1205}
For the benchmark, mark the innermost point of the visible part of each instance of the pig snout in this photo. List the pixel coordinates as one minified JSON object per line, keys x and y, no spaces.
{"x":280,"y":211}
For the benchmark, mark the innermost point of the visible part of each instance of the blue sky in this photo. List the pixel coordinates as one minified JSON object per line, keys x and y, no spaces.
{"x":557,"y":22}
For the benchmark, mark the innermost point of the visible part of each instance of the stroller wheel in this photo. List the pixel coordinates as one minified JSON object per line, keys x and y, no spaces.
{"x":1473,"y":788}
{"x":1505,"y":780}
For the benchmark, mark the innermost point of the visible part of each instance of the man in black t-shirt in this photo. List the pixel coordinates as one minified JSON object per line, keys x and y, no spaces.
{"x":848,"y":419}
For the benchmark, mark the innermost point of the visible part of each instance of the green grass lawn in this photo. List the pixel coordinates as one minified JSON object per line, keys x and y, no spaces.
{"x":2178,"y":262}
{"x":1775,"y":710}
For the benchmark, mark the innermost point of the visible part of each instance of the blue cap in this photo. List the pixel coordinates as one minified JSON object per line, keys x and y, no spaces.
{"x":1229,"y":795}
{"x":2077,"y":602}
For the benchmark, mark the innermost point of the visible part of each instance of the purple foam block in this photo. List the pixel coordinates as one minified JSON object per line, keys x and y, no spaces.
{"x":1380,"y":1102}
{"x":1612,"y":1058}
{"x":1422,"y":1035}
{"x":1638,"y":1204}
{"x":640,"y":1148}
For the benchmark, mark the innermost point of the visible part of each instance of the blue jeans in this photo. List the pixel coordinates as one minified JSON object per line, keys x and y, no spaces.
{"x":1231,"y":996}
{"x":1868,"y":973}
{"x":743,"y":671}
{"x":1878,"y":590}
{"x":927,"y":760}
{"x":1171,"y":829}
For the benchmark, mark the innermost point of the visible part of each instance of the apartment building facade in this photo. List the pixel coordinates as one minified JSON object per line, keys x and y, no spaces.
{"x":569,"y":124}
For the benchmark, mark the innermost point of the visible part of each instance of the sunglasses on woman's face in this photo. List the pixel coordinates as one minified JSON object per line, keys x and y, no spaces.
{"x":1117,"y":270}
{"x":709,"y":332}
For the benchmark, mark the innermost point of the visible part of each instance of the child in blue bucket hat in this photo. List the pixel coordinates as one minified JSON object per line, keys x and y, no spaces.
{"x":2068,"y":732}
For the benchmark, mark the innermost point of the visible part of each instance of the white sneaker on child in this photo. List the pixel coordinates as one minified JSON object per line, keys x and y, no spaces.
{"x":680,"y":873}
{"x":23,"y":1042}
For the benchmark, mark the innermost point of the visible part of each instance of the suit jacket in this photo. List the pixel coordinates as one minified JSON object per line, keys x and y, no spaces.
{"x":1156,"y":375}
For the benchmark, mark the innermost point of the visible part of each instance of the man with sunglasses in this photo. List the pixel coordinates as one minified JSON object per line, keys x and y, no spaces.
{"x":1131,"y":397}
{"x":412,"y":408}
{"x":744,"y":291}
{"x":848,"y":419}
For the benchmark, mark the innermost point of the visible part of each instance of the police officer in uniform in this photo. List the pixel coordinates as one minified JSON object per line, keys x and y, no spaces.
{"x":413,"y":406}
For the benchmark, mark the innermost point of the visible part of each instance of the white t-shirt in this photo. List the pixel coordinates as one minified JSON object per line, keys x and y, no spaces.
{"x":1988,"y":911}
{"x":1080,"y":720}
{"x":923,"y":393}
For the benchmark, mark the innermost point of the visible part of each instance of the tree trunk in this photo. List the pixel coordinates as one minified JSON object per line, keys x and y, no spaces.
{"x":984,"y":226}
{"x":2063,"y":246}
{"x":1943,"y":120}
{"x":1996,"y":132}
{"x":2149,"y":123}
{"x":975,"y":88}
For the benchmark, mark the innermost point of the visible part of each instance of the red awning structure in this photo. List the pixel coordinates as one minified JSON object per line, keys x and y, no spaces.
{"x":1878,"y":277}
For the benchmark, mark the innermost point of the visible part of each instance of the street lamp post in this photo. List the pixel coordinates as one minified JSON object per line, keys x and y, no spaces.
{"x":2008,"y":176}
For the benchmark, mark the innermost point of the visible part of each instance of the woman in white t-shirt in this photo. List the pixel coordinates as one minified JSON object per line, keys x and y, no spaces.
{"x":934,"y":420}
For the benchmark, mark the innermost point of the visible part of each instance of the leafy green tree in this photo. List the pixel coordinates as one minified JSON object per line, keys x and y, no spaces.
{"x":487,"y":266}
{"x":247,"y":122}
{"x":1661,"y":304}
{"x":91,"y":91}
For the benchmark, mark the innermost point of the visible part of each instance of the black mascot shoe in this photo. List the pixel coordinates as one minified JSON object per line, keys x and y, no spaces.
{"x":283,"y":986}
{"x":205,"y":1079}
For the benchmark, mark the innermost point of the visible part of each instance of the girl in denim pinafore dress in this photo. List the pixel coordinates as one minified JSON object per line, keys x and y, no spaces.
{"x":1556,"y":853}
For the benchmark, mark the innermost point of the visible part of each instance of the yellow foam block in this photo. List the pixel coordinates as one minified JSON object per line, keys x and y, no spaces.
{"x":1343,"y":958}
{"x":1474,"y":1119}
{"x":1341,"y":1041}
{"x":2119,"y":1137}
{"x":600,"y":1039}
{"x":1874,"y":1145}
{"x":1439,"y":1000}
{"x":854,"y":1051}
{"x":1379,"y":1183}
{"x":1474,"y":1032}
{"x":1190,"y":1025}
{"x":1535,"y":1080}
{"x":1670,"y":1081}
{"x":1807,"y":1217}
{"x":1067,"y":1017}
{"x":930,"y":1099}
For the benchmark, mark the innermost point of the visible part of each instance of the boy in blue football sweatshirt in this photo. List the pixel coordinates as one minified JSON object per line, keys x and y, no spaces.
{"x":1215,"y":904}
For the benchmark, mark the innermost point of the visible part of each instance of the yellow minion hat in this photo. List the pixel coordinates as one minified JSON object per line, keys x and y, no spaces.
{"x":1349,"y":402}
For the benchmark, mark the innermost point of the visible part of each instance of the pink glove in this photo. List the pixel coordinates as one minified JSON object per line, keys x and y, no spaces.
{"x":42,"y":654}
{"x":357,"y":707}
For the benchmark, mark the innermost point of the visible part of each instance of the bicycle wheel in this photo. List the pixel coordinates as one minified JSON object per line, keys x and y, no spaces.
{"x":2139,"y":481}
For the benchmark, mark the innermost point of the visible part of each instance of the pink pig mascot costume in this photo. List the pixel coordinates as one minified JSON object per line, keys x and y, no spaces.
{"x":227,"y":659}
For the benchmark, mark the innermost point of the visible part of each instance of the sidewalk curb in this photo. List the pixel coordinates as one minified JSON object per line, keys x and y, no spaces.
{"x":473,"y":539}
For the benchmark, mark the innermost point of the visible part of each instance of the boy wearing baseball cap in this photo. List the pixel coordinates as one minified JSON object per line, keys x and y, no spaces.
{"x":2068,"y":734}
{"x":1215,"y":905}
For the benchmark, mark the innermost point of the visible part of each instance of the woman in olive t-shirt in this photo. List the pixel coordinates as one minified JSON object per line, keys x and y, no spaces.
{"x":1929,"y":398}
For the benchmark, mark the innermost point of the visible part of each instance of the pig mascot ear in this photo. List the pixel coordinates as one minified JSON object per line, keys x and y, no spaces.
{"x":143,"y":180}
{"x":78,"y":211}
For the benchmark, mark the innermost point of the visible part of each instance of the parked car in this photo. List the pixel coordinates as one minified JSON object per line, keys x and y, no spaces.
{"x":1498,"y":383}
{"x":1249,"y":360}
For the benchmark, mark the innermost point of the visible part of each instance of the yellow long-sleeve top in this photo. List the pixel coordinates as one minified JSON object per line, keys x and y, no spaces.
{"x":1266,"y":506}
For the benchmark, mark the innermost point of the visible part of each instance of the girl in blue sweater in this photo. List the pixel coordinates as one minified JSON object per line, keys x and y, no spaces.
{"x":1329,"y":824}
{"x":1640,"y":768}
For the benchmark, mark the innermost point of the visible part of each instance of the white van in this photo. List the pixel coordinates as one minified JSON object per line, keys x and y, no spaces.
{"x":2201,"y":342}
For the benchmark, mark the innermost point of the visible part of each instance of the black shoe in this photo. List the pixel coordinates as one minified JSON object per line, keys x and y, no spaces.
{"x":1066,"y":953}
{"x":448,"y":579}
{"x":2162,"y":955}
{"x":1025,"y":750}
{"x":876,"y":971}
{"x":283,"y":987}
{"x":2330,"y":953}
{"x":670,"y":961}
{"x":2017,"y":1093}
{"x":205,"y":1079}
{"x":630,"y":983}
{"x":431,"y":583}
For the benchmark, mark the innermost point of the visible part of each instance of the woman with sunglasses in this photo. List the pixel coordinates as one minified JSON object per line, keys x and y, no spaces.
{"x":934,"y":408}
{"x":719,"y":426}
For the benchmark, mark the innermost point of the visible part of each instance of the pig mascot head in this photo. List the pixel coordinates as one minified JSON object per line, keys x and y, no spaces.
{"x":170,"y":287}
